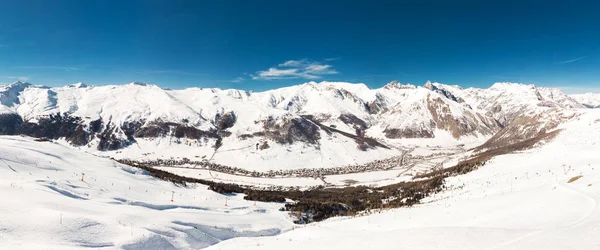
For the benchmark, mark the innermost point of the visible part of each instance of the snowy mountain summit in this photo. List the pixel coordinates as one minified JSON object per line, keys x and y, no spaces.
{"x":589,"y":100}
{"x":77,"y":85}
{"x":325,"y":118}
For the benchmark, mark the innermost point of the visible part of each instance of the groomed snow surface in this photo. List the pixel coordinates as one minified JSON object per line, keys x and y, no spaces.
{"x":46,"y":205}
{"x":517,"y":201}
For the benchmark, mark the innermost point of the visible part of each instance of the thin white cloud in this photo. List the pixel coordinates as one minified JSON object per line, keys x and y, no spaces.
{"x":20,"y":78}
{"x":51,"y":68}
{"x":332,"y":59}
{"x":320,"y":69}
{"x":237,"y":80}
{"x":572,"y":60}
{"x":295,"y":69}
{"x":276,"y":74}
{"x":293,"y":63}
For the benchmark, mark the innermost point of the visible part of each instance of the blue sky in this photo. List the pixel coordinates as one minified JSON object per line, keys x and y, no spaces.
{"x":258,"y":45}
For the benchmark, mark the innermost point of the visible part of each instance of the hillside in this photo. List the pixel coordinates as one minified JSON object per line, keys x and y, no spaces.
{"x":543,"y":198}
{"x":61,"y":198}
{"x":142,"y":121}
{"x":589,"y":100}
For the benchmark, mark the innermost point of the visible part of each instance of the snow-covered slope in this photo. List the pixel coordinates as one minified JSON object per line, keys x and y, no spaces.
{"x":555,"y":97}
{"x":419,"y":112}
{"x":118,"y":104}
{"x":116,"y":117}
{"x":544,"y":198}
{"x":140,"y":119}
{"x":9,"y":96}
{"x":48,"y":206}
{"x":524,"y":111}
{"x":504,"y":101}
{"x":332,"y":98}
{"x":589,"y":100}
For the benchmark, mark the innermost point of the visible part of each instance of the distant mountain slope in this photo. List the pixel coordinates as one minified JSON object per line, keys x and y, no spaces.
{"x":524,"y":111}
{"x":116,"y":117}
{"x":419,"y":112}
{"x":589,"y":100}
{"x":504,"y":101}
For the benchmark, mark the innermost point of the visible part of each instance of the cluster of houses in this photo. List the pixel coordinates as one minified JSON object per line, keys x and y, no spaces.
{"x":377,"y":165}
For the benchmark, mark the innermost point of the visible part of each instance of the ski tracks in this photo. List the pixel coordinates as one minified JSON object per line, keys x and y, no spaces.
{"x":592,"y":213}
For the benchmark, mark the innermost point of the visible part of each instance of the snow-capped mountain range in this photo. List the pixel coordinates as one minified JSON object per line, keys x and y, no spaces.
{"x":116,"y":116}
{"x":590,"y":100}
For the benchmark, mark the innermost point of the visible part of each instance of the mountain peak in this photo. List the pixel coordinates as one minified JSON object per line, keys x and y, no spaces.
{"x":512,"y":85}
{"x":139,"y":83}
{"x":429,"y":85}
{"x":397,"y":85}
{"x":9,"y":94}
{"x":142,"y":84}
{"x":77,"y":85}
{"x":443,"y":86}
{"x":19,"y":84}
{"x":590,"y":100}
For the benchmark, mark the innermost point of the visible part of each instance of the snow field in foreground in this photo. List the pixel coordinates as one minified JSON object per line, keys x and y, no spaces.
{"x":47,"y":206}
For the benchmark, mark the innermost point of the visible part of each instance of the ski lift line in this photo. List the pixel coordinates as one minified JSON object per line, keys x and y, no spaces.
{"x":213,"y":155}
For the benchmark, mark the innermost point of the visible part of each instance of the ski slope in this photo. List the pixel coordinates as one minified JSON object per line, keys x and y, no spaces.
{"x":516,"y":201}
{"x":46,"y":205}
